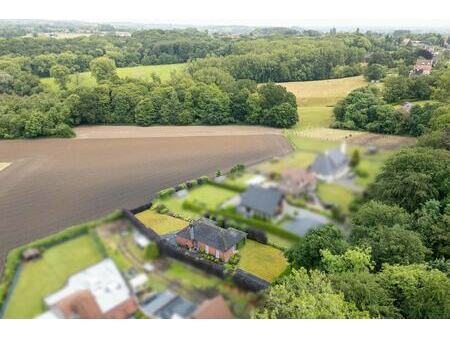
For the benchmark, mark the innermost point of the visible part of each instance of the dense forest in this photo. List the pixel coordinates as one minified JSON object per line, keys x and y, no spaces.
{"x":219,"y":85}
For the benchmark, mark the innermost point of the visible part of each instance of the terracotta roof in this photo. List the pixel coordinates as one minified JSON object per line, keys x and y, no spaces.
{"x":298,"y":177}
{"x":215,"y":308}
{"x":82,"y":304}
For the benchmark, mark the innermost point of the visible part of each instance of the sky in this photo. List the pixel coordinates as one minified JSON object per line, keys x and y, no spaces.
{"x":364,"y":13}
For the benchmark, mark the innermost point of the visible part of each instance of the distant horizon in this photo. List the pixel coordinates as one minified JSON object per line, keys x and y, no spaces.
{"x":342,"y":27}
{"x":413,"y":14}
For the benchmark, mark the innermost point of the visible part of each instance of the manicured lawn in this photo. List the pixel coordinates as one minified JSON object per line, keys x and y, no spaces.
{"x":323,"y":92}
{"x":262,"y":260}
{"x":301,"y":159}
{"x":161,"y":224}
{"x":240,"y":181}
{"x":48,"y":274}
{"x":138,"y":72}
{"x":211,"y":196}
{"x":190,"y":276}
{"x":333,"y":193}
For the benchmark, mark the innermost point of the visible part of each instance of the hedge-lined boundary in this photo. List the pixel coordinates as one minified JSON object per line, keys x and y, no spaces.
{"x":243,"y":280}
{"x":227,"y":186}
{"x":249,"y":281}
{"x":13,"y":258}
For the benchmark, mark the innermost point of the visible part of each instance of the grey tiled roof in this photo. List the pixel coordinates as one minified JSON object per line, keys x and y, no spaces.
{"x":263,"y":200}
{"x":329,"y":163}
{"x":207,"y":232}
{"x":167,"y":305}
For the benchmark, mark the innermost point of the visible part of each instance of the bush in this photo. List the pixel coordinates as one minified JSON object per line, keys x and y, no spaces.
{"x":191,"y":184}
{"x":161,"y":209}
{"x":234,"y":260}
{"x":203,"y":179}
{"x":152,"y":251}
{"x":361,"y":172}
{"x":182,"y":186}
{"x":165,"y":193}
{"x":257,"y":235}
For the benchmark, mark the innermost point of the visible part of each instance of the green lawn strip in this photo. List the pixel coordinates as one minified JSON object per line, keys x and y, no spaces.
{"x":40,"y":278}
{"x":333,"y":193}
{"x":314,"y":117}
{"x":280,"y":241}
{"x":208,"y":196}
{"x":190,"y":276}
{"x":161,"y":224}
{"x":262,"y":260}
{"x":240,"y":181}
{"x":300,"y":159}
{"x":138,"y":72}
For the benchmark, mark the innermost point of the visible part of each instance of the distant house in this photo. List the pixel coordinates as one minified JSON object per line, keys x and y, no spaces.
{"x":422,"y":67}
{"x":331,"y":165}
{"x":167,"y":305}
{"x":215,"y":308}
{"x":262,"y":202}
{"x":98,"y":292}
{"x":204,"y":235}
{"x":295,"y":181}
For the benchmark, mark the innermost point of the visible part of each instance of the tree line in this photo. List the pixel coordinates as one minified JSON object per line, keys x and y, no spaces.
{"x":374,"y":110}
{"x":209,"y":96}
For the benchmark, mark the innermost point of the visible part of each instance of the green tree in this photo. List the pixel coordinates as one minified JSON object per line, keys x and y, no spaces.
{"x":152,"y":251}
{"x":282,"y":116}
{"x":413,"y":176}
{"x":366,"y":292}
{"x":103,"y":69}
{"x":375,"y":72}
{"x":352,"y":260}
{"x":303,"y":295}
{"x":307,"y":252}
{"x":61,"y":74}
{"x":355,"y":159}
{"x":418,"y":291}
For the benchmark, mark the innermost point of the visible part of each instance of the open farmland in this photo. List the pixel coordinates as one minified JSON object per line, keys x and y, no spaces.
{"x":323,"y":93}
{"x":54,"y":183}
{"x":138,"y":72}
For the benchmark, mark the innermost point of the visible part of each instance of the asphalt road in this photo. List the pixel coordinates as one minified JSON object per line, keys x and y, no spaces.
{"x":54,"y":183}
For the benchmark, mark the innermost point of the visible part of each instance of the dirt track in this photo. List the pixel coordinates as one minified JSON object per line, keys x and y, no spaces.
{"x":55,"y":183}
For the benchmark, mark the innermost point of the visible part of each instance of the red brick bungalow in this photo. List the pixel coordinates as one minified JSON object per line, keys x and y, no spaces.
{"x":206,"y":236}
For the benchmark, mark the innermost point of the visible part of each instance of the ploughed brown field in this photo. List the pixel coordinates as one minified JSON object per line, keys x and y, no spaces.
{"x":54,"y":183}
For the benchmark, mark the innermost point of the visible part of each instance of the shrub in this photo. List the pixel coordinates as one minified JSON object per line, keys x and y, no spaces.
{"x":191,"y":184}
{"x":182,"y":186}
{"x":165,"y":193}
{"x":234,"y":260}
{"x":152,"y":251}
{"x":203,"y":179}
{"x":161,"y":209}
{"x":361,"y":172}
{"x":257,"y":235}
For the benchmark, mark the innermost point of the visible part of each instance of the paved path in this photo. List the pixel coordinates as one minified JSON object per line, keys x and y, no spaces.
{"x":54,"y":183}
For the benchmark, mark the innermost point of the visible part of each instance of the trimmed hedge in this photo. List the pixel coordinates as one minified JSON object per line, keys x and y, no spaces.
{"x":259,"y":224}
{"x":165,"y":193}
{"x":248,"y":281}
{"x":228,"y":186}
{"x":14,"y":256}
{"x":142,"y":208}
